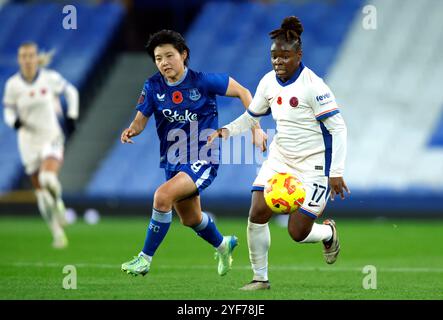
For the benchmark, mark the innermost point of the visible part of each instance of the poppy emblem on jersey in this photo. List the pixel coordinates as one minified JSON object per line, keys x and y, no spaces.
{"x":43,"y":91}
{"x":194,"y":95}
{"x":293,"y":102}
{"x":141,"y":99}
{"x":279,"y":100}
{"x":177,"y":97}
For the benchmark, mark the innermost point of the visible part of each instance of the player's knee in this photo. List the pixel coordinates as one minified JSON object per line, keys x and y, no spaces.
{"x":162,"y":200}
{"x":49,"y":180}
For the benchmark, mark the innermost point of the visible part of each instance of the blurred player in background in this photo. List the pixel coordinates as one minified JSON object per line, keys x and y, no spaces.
{"x":183,"y":102}
{"x":310,"y":144}
{"x":31,"y":99}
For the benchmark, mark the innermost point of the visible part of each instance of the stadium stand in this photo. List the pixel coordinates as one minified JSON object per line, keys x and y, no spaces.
{"x":108,"y":115}
{"x":77,"y":54}
{"x":389,"y":90}
{"x":395,"y":146}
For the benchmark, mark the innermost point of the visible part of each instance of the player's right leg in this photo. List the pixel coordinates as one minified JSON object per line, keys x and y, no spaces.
{"x":176,"y":188}
{"x":259,"y":241}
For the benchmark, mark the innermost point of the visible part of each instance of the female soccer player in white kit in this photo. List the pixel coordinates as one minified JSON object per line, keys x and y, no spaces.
{"x":310,"y":144}
{"x":31,"y":98}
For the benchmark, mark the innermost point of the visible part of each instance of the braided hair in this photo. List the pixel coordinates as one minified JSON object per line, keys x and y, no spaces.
{"x":290,"y":30}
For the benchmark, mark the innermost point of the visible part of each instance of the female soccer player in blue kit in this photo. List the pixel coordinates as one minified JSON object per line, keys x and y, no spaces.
{"x":183,"y":102}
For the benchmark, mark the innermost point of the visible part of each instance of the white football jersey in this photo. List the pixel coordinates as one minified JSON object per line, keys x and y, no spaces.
{"x":36,"y":105}
{"x":297,"y":106}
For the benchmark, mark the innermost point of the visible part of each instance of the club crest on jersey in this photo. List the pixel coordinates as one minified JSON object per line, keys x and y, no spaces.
{"x":161,"y":97}
{"x":293,"y":102}
{"x":177,"y":97}
{"x":194,"y":94}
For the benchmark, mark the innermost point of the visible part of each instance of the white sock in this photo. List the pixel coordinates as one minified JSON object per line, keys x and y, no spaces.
{"x":42,"y":204}
{"x":222,"y":245}
{"x":259,"y":241}
{"x":144,"y":255}
{"x":46,"y":205}
{"x":319,"y":232}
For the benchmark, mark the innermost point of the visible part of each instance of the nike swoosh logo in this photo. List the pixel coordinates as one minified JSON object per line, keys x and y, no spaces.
{"x":313,"y":204}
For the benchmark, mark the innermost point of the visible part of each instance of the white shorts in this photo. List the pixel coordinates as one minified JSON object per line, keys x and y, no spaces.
{"x":33,"y":154}
{"x":316,"y":186}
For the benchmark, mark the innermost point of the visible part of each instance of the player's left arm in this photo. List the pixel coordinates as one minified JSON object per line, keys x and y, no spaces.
{"x":336,"y":126}
{"x":72,"y":98}
{"x":236,"y":90}
{"x":62,"y":86}
{"x":326,"y":110}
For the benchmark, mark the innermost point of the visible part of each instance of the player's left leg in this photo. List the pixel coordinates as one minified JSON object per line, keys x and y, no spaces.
{"x":189,"y":211}
{"x":302,"y":227}
{"x":177,"y":187}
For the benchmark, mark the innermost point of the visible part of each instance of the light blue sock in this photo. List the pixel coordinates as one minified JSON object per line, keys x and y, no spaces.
{"x":157,"y":229}
{"x":208,"y":231}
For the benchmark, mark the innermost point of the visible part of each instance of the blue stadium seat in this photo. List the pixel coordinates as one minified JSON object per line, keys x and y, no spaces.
{"x":437,"y":136}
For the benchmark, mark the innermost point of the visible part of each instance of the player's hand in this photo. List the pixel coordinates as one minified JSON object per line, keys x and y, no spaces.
{"x":17,"y":124}
{"x":338,"y":186}
{"x":127,"y":134}
{"x":70,"y":126}
{"x":219,"y":133}
{"x":259,"y":138}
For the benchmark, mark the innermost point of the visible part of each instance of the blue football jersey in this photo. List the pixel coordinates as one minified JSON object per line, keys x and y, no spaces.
{"x":184,"y":111}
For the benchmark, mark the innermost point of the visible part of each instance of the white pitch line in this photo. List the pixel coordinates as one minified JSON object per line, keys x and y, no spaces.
{"x":240,"y":267}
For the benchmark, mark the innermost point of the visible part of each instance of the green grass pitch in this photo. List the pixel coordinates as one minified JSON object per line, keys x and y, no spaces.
{"x":407,"y":254}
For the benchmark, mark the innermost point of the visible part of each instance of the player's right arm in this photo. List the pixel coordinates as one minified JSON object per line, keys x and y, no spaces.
{"x":136,"y":127}
{"x":144,"y":109}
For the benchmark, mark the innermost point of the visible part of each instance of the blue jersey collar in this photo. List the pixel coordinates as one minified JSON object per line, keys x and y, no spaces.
{"x":174,"y":84}
{"x":293,"y":78}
